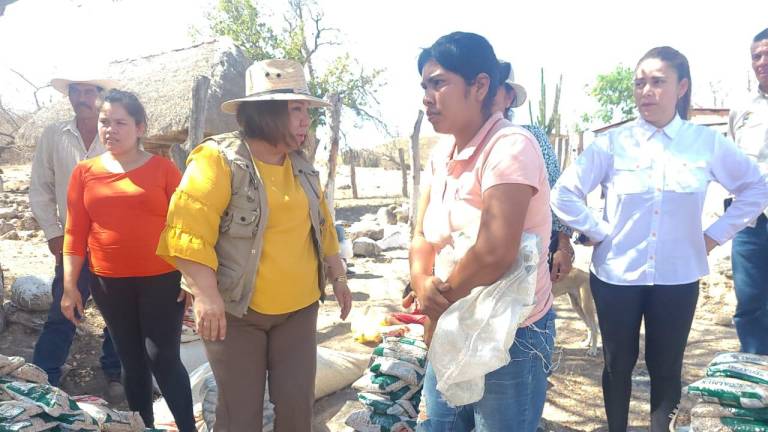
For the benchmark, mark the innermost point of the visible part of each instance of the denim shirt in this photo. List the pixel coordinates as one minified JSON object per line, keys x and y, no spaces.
{"x":553,"y":171}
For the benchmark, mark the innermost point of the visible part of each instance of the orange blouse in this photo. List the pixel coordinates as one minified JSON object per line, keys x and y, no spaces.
{"x":117,"y":218}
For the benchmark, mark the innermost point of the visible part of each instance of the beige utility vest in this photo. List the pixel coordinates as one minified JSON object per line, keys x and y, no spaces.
{"x":242,"y":226}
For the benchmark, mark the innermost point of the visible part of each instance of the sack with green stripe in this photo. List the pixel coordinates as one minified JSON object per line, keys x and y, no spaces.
{"x":730,"y":391}
{"x":727,"y":424}
{"x":51,"y":399}
{"x":377,"y":383}
{"x":113,"y":420}
{"x":411,"y":393}
{"x":710,"y":410}
{"x":395,"y":352}
{"x":743,"y":371}
{"x":738,"y":357}
{"x":367,"y":421}
{"x":408,"y":372}
{"x":381,"y":404}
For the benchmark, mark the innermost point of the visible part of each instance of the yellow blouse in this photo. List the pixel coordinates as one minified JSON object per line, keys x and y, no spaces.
{"x":193,"y":227}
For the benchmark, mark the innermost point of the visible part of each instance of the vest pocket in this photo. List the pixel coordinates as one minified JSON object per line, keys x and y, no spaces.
{"x":240,"y":223}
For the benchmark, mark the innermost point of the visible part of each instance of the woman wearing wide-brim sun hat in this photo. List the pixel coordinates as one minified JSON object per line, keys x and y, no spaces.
{"x":250,"y":230}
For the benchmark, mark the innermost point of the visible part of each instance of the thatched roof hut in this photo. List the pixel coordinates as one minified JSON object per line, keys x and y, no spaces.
{"x":164,"y":83}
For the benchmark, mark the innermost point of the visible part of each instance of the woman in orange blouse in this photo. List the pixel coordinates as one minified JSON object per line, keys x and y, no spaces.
{"x":116,"y":209}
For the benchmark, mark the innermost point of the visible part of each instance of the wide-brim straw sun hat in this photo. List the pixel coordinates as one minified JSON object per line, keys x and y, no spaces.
{"x":274,"y":80}
{"x":520,"y":94}
{"x":62,"y":84}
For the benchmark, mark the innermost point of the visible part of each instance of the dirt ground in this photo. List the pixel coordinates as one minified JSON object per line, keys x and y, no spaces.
{"x":574,"y":400}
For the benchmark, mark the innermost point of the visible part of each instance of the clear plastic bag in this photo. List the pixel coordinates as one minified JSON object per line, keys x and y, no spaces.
{"x":474,"y":335}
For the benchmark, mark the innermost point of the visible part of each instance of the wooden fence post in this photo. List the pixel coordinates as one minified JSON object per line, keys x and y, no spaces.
{"x":403,"y":170}
{"x":196,"y":130}
{"x":415,"y":169}
{"x":352,"y":173}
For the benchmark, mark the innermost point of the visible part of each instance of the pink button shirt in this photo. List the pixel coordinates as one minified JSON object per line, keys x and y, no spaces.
{"x":500,"y":153}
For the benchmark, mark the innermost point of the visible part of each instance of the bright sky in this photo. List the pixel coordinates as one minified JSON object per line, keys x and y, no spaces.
{"x":580,"y":39}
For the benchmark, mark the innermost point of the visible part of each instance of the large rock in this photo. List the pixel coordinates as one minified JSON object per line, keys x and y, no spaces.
{"x":6,"y":227}
{"x":397,"y":237}
{"x":368,"y":217}
{"x":31,"y":320}
{"x":28,"y":223}
{"x":8,"y":213}
{"x":365,"y":247}
{"x":32,"y":293}
{"x":10,"y":235}
{"x":386,"y":216}
{"x":365,"y":228}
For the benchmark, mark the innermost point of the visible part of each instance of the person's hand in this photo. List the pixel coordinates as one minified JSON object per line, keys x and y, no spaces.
{"x":561,"y":265}
{"x":709,"y":243}
{"x":408,"y":300}
{"x":184,"y":297}
{"x":71,"y":303}
{"x":210,"y":317}
{"x":344,"y":297}
{"x":56,"y":246}
{"x":428,"y":291}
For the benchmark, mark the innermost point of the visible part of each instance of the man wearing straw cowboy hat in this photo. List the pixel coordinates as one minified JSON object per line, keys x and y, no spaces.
{"x":254,"y":255}
{"x":59,"y":148}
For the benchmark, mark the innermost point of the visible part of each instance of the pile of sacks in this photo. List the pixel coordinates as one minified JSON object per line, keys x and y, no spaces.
{"x":733,"y":396}
{"x":390,"y":389}
{"x":29,"y":404}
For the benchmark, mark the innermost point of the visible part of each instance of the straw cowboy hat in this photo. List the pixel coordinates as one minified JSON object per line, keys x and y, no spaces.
{"x":62,"y":84}
{"x":274,"y":80}
{"x":520,"y":94}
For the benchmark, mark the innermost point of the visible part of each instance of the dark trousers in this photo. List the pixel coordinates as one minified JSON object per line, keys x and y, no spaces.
{"x":52,"y":347}
{"x":668,"y":312}
{"x":145,"y":320}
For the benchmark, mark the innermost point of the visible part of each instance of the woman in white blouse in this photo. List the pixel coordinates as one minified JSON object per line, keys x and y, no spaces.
{"x":649,"y":246}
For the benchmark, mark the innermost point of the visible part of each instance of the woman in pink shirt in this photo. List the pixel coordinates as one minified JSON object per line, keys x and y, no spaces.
{"x":491,"y":175}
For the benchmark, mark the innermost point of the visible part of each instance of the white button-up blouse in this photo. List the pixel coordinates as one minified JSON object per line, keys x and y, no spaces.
{"x":655,"y":181}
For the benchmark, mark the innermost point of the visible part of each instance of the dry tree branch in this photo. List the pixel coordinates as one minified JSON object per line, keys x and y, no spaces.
{"x":37,"y":89}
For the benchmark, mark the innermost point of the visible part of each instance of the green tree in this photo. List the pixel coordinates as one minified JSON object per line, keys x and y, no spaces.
{"x":303,"y":35}
{"x":613,"y":92}
{"x":242,"y":22}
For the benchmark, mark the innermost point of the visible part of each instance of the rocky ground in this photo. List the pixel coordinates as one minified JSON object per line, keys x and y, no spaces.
{"x":574,"y":401}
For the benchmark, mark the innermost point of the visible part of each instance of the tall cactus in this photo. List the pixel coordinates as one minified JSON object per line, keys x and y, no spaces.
{"x":553,"y":123}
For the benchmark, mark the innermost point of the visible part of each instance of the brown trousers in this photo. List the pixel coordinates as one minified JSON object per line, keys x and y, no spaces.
{"x":285,"y":346}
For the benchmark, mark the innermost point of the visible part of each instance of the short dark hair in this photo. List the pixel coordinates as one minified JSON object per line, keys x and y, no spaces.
{"x":130,"y":103}
{"x":679,"y":62}
{"x":265,"y":120}
{"x":763,"y":35}
{"x":467,"y":55}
